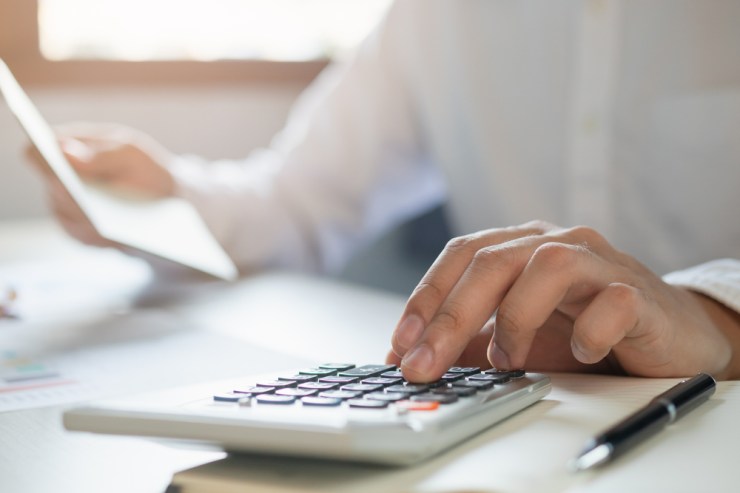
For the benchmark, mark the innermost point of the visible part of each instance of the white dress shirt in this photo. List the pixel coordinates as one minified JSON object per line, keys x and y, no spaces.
{"x":623,"y":115}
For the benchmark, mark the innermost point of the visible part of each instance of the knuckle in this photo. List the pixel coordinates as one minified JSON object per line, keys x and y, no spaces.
{"x":539,"y":226}
{"x":587,"y":236}
{"x":461,"y":244}
{"x":624,"y":296}
{"x":594,"y":340}
{"x":554,"y":256}
{"x":129,"y":150}
{"x":425,"y":292}
{"x":450,"y":319}
{"x":492,"y":258}
{"x":510,"y":319}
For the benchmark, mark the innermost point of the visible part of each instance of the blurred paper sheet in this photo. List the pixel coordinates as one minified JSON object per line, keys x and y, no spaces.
{"x":168,"y":228}
{"x":122,"y":353}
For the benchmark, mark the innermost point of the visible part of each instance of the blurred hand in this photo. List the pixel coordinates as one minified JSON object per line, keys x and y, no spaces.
{"x":112,"y":155}
{"x":541,"y":297}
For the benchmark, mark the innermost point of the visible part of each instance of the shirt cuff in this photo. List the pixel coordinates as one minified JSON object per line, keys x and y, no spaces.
{"x":718,"y":279}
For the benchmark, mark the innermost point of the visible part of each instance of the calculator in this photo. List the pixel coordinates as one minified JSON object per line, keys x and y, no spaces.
{"x":339,"y":411}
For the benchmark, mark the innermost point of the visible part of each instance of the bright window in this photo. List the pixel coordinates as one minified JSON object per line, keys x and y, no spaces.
{"x":204,"y":30}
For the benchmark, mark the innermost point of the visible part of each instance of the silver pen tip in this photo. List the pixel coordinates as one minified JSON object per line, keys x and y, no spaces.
{"x":594,"y":457}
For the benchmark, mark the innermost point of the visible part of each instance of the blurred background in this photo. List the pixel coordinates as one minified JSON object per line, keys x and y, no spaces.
{"x":209,"y":77}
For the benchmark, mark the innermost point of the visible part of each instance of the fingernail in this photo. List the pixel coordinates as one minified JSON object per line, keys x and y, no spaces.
{"x":409,"y":331}
{"x":419,"y":360}
{"x":499,"y":359}
{"x":76,"y":149}
{"x":579,"y":353}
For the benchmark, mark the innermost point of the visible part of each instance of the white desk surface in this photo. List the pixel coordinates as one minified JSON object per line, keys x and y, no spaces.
{"x":279,"y":321}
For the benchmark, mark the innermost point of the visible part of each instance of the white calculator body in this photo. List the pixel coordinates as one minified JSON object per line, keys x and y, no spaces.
{"x":340,"y":411}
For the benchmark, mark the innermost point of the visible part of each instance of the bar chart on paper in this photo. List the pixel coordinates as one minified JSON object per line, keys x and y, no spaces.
{"x":26,"y":382}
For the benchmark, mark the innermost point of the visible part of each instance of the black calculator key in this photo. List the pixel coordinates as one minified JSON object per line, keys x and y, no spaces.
{"x":465,"y":370}
{"x":367,"y":371}
{"x":440,"y":383}
{"x":361,"y":387}
{"x":489,"y":377}
{"x":386,"y":396}
{"x":433,"y":397}
{"x":229,"y":397}
{"x":408,"y":388}
{"x":385,"y":382}
{"x":338,"y":379}
{"x":367,"y":404}
{"x":510,"y":373}
{"x":459,"y":391}
{"x":255,"y":390}
{"x":451,"y":377}
{"x":319,"y":372}
{"x":277,"y":384}
{"x":299,"y":378}
{"x":296,"y":392}
{"x":318,"y":386}
{"x":476,"y":384}
{"x":392,"y":374}
{"x":337,"y":366}
{"x":340,"y":394}
{"x":275,"y":399}
{"x":321,"y":401}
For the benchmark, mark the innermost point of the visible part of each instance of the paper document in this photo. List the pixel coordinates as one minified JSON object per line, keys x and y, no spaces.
{"x":122,"y":354}
{"x":169,"y":228}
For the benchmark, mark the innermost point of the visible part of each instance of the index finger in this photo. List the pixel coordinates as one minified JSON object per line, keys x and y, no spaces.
{"x":467,"y":307}
{"x":444,"y":274}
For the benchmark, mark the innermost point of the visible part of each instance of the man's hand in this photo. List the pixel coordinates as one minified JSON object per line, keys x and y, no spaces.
{"x":110,"y":155}
{"x":554,"y":299}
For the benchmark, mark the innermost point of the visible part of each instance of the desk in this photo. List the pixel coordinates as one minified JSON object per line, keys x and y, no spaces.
{"x":279,"y":321}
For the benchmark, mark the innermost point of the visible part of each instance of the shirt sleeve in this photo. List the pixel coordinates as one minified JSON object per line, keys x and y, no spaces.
{"x":718,"y":279}
{"x":347,"y":166}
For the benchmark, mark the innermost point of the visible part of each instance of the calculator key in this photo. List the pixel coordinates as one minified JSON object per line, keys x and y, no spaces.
{"x":430,"y":397}
{"x":367,"y":371}
{"x":337,"y":366}
{"x":228,"y":397}
{"x":318,"y":386}
{"x":340,"y":380}
{"x":476,"y":384}
{"x":296,"y":392}
{"x":465,"y":370}
{"x":385,"y":396}
{"x":277,"y":384}
{"x":451,"y":377}
{"x":255,"y":390}
{"x":459,"y":391}
{"x":366,"y":404}
{"x":392,"y":374}
{"x":510,"y":373}
{"x":417,"y":405}
{"x":275,"y":399}
{"x":489,"y":377}
{"x":340,"y":394}
{"x":439,"y":383}
{"x":361,"y":387}
{"x":385,"y":382}
{"x":321,"y":401}
{"x":299,"y":378}
{"x":408,"y":388}
{"x":319,"y":372}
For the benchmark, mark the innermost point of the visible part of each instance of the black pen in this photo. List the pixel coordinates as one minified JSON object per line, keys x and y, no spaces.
{"x":664,"y":409}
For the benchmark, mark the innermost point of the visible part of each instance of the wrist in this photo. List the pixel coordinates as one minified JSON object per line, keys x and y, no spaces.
{"x":727,"y":322}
